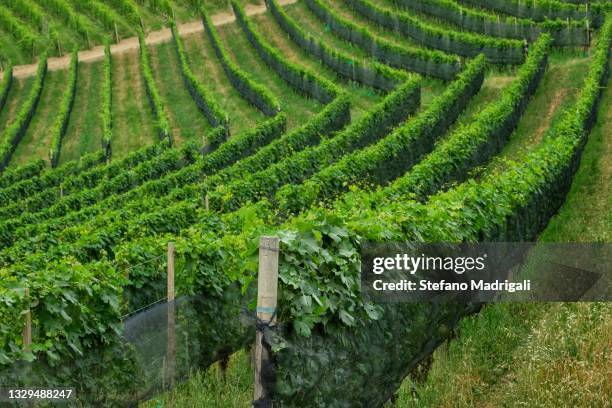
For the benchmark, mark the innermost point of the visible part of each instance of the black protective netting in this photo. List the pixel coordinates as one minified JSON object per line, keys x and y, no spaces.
{"x":156,"y":347}
{"x":360,"y":366}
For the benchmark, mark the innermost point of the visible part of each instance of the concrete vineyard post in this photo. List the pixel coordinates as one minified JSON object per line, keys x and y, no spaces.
{"x":27,"y":328}
{"x":267,"y":290}
{"x":170,"y":351}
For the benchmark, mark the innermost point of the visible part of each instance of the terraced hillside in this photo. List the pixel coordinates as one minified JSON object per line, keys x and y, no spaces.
{"x":126,"y":125}
{"x":29,"y":27}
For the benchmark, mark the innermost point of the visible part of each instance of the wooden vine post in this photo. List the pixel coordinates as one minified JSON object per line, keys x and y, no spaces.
{"x":27,"y":327}
{"x":588,"y":28}
{"x":170,"y":271}
{"x":116,"y":34}
{"x":267,"y":290}
{"x":170,"y":350}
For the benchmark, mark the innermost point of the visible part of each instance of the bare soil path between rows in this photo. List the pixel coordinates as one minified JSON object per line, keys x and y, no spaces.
{"x":129,"y":44}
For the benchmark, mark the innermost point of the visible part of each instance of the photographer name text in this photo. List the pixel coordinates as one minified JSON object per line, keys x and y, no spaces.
{"x":405,"y":285}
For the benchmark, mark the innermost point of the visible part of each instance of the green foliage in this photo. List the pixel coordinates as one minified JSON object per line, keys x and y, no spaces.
{"x":70,"y":304}
{"x":393,"y":155}
{"x":179,"y":209}
{"x":481,"y":21}
{"x":585,"y":216}
{"x":369,"y":129}
{"x":164,"y":6}
{"x":84,"y":205}
{"x":21,"y":173}
{"x":58,"y":129}
{"x":105,"y":233}
{"x":202,"y":96}
{"x":215,"y":138}
{"x":127,"y":8}
{"x":543,"y":10}
{"x":25,"y":37}
{"x":319,"y":259}
{"x":102,"y":13}
{"x":497,"y":50}
{"x":304,"y":81}
{"x":51,"y":203}
{"x":255,"y":93}
{"x":473,"y":143}
{"x":423,"y":61}
{"x":66,"y":12}
{"x":328,"y":329}
{"x":162,"y":123}
{"x":106,"y":115}
{"x":29,"y":11}
{"x":5,"y":85}
{"x":34,"y":17}
{"x":371,"y":74}
{"x":15,"y":131}
{"x":517,"y":203}
{"x":243,"y":145}
{"x":41,"y":192}
{"x":335,"y":116}
{"x":163,"y":216}
{"x":320,"y":267}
